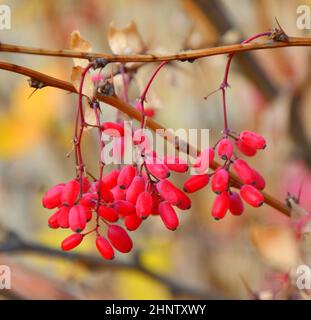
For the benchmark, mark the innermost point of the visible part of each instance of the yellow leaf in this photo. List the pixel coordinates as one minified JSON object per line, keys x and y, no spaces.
{"x":276,"y":245}
{"x":125,"y":41}
{"x":77,"y":43}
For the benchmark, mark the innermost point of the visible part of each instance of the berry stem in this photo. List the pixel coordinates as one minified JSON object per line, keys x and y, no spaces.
{"x":224,"y":84}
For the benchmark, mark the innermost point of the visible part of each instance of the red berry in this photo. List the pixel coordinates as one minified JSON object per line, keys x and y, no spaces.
{"x":204,"y":160}
{"x":236,"y":206}
{"x":220,"y":206}
{"x":195,"y":183}
{"x":105,"y":193}
{"x":53,"y":221}
{"x":111,"y":179}
{"x":118,"y":194}
{"x":245,"y":149}
{"x":251,"y":195}
{"x":52,"y":198}
{"x":260,"y":182}
{"x":113,"y":129}
{"x":77,"y":218}
{"x":168,"y":215}
{"x":220,"y":181}
{"x":155,"y":203}
{"x":63,"y":217}
{"x":72,"y":241}
{"x":225,"y":149}
{"x":108,"y":213}
{"x":85,"y":185}
{"x":168,"y":192}
{"x":119,"y":238}
{"x":124,"y":207}
{"x":70,"y":192}
{"x":252,"y":139}
{"x":104,"y":247}
{"x":185,"y":201}
{"x":126,"y":176}
{"x":160,"y":171}
{"x":176,"y":164}
{"x":88,"y":200}
{"x":135,"y":189}
{"x":244,"y":171}
{"x":132,"y":222}
{"x":144,"y":205}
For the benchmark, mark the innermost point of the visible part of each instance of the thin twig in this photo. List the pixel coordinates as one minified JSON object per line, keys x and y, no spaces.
{"x":189,"y":55}
{"x":13,"y":243}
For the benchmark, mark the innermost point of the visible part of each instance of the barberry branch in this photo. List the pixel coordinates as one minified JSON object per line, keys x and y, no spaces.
{"x":13,"y":243}
{"x":133,"y":113}
{"x":190,"y":55}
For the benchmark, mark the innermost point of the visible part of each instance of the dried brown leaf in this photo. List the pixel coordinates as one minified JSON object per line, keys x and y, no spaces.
{"x":126,"y":40}
{"x":78,"y":43}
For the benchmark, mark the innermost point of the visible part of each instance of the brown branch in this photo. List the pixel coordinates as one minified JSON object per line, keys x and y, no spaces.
{"x":13,"y":243}
{"x":133,"y":113}
{"x":182,"y":56}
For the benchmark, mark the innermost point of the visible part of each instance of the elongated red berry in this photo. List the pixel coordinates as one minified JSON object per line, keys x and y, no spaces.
{"x":53,"y":220}
{"x":85,"y":184}
{"x":176,"y":164}
{"x":77,"y":218}
{"x":72,"y":241}
{"x":126,"y":176}
{"x":63,"y":217}
{"x":168,"y":215}
{"x":135,"y":189}
{"x":251,"y":195}
{"x":70,"y":192}
{"x":108,"y":213}
{"x":88,"y":200}
{"x":168,"y":192}
{"x":220,"y":206}
{"x":144,"y":205}
{"x":160,"y":171}
{"x":155,"y":203}
{"x":252,"y":139}
{"x":119,"y":238}
{"x":204,"y":160}
{"x":196,"y":182}
{"x":244,"y":171}
{"x":220,"y":181}
{"x":123,"y":207}
{"x":52,"y":198}
{"x":260,"y":182}
{"x":185,"y":201}
{"x":104,"y":248}
{"x":236,"y":206}
{"x":113,"y":129}
{"x":245,"y":149}
{"x":111,"y":179}
{"x":105,"y":193}
{"x":132,"y":222}
{"x":225,"y":149}
{"x":118,"y":194}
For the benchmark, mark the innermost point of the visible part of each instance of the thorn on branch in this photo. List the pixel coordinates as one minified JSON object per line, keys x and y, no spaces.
{"x":278,"y":34}
{"x":34,"y":83}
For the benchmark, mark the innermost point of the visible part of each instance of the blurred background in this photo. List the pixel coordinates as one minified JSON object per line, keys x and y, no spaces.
{"x":239,"y":257}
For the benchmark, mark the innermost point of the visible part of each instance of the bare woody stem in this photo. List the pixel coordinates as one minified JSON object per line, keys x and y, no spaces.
{"x":133,"y":113}
{"x":182,"y":56}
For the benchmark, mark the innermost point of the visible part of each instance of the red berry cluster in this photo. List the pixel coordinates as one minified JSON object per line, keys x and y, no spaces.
{"x":247,"y":143}
{"x":127,"y":194}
